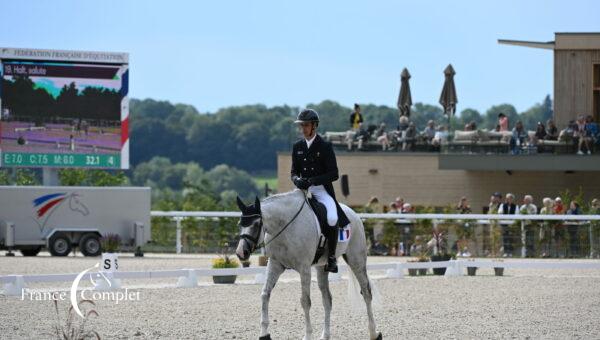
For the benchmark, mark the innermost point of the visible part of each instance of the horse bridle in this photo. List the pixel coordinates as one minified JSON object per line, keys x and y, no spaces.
{"x":254,"y":239}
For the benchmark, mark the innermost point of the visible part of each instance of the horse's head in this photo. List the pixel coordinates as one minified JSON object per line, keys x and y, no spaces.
{"x":250,"y":228}
{"x":76,"y":205}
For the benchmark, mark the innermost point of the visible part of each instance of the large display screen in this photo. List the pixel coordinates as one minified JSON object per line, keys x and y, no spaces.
{"x":63,"y":114}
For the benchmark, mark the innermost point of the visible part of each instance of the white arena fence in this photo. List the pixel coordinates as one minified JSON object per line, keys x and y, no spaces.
{"x":580,"y":221}
{"x":188,"y":277}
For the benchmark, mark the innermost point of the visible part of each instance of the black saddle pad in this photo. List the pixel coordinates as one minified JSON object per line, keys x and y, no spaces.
{"x":321,"y":212}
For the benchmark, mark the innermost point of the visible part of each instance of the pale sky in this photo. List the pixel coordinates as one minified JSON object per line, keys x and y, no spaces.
{"x":214,"y":54}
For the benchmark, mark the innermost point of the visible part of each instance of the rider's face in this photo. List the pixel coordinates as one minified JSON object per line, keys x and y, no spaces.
{"x":306,"y":129}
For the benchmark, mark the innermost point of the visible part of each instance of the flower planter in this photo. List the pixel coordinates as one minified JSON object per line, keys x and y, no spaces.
{"x":471,"y":271}
{"x":245,"y":264}
{"x":412,"y":271}
{"x":438,"y":258}
{"x":499,"y":271}
{"x":422,"y":271}
{"x":224,"y":279}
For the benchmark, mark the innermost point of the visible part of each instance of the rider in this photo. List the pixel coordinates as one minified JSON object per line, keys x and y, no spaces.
{"x":314,"y":167}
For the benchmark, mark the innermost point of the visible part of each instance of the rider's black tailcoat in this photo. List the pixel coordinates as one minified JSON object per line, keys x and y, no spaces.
{"x":318,"y":164}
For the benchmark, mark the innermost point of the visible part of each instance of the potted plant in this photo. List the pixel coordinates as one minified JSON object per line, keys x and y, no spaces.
{"x":498,"y":271}
{"x":246,"y":263}
{"x":110,"y":244}
{"x":471,"y":270}
{"x":224,"y":261}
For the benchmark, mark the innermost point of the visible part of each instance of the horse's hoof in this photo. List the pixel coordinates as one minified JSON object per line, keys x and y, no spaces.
{"x":265,"y":337}
{"x":379,"y":337}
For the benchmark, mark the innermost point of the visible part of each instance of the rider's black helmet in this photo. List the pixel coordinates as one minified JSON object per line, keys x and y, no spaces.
{"x":307,"y":115}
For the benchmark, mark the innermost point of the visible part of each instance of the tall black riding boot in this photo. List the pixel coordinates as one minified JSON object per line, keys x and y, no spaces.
{"x":332,"y":239}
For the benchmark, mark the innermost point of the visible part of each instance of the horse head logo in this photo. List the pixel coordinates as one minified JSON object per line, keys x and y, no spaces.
{"x":45,"y":206}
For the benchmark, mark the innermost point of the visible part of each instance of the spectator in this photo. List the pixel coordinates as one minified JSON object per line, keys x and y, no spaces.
{"x":507,"y":208}
{"x":418,"y":248}
{"x":440,"y":136}
{"x":503,"y":121}
{"x":463,"y":206}
{"x":471,"y":126}
{"x":540,"y":133}
{"x":356,"y":118}
{"x":519,"y":135}
{"x":393,"y":208}
{"x":382,"y":137}
{"x":568,"y":133}
{"x":495,"y":201}
{"x":580,"y":134}
{"x":492,"y":209}
{"x":559,"y":207}
{"x":595,"y":243}
{"x":528,"y":208}
{"x":403,"y":123}
{"x":573,"y":229}
{"x":429,"y":131}
{"x":551,"y":131}
{"x":409,"y":137}
{"x":399,"y":202}
{"x":591,"y":134}
{"x":407,"y":208}
{"x":373,"y":205}
{"x":546,"y":228}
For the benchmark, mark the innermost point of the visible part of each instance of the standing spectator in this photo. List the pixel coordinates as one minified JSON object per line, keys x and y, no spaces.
{"x":559,"y":207}
{"x":528,"y":208}
{"x":503,"y":121}
{"x":519,"y":135}
{"x":508,"y":208}
{"x":399,"y":202}
{"x":551,"y":130}
{"x":356,"y":118}
{"x":429,"y":131}
{"x":595,"y":210}
{"x":382,"y":137}
{"x":573,"y":229}
{"x":463,"y":206}
{"x":580,"y":134}
{"x":393,"y":208}
{"x":545,"y":227}
{"x":373,"y":205}
{"x":559,"y":228}
{"x":407,"y":208}
{"x":492,"y":209}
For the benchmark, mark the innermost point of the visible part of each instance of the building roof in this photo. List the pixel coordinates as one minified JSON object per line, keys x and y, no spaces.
{"x":562,"y":41}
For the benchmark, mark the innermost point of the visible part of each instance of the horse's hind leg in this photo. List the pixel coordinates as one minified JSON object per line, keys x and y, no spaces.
{"x":323,"y":280}
{"x":274,"y":270}
{"x":358,"y":264}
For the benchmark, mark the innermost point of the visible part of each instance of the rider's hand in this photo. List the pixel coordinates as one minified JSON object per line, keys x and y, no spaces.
{"x":301,"y":183}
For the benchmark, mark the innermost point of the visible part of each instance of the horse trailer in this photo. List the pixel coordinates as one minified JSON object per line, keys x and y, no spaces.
{"x":61,"y":218}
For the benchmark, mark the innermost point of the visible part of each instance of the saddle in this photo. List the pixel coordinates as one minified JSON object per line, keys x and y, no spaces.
{"x":321,"y":212}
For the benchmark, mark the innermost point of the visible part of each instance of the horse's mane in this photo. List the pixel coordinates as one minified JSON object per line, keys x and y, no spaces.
{"x":279,"y":196}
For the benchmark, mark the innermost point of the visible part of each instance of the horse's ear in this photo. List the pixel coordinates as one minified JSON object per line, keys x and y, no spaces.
{"x":257,"y":203}
{"x":240,"y":204}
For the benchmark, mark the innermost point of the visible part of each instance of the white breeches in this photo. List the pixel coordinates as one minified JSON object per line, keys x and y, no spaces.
{"x":322,"y":196}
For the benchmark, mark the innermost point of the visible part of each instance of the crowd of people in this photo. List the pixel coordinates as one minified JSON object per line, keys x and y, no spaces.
{"x":542,"y":238}
{"x":583,"y":133}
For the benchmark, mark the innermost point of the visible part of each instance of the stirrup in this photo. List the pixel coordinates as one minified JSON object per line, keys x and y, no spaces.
{"x":333,"y":268}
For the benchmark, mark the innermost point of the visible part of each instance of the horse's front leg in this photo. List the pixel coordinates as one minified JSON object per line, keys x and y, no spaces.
{"x":305,"y":301}
{"x":274,"y":270}
{"x":323,"y":280}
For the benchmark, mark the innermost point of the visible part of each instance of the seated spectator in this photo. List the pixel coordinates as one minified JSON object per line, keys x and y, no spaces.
{"x":551,"y":130}
{"x":540,"y":133}
{"x":429,"y":131}
{"x":463,"y":206}
{"x":590,"y":137}
{"x":567,"y":134}
{"x":580,"y":134}
{"x":440,"y":136}
{"x":503,"y":121}
{"x":356,"y":120}
{"x":471,"y":126}
{"x":382,"y":137}
{"x":409,"y":137}
{"x":518,"y":138}
{"x":403,"y":123}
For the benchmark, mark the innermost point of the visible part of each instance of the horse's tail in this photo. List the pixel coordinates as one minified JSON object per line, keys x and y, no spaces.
{"x":355,"y":297}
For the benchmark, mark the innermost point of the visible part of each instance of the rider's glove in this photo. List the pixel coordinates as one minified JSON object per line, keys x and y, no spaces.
{"x":301,"y":183}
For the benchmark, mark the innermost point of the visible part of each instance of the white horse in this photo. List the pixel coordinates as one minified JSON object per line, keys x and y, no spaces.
{"x":286,"y":226}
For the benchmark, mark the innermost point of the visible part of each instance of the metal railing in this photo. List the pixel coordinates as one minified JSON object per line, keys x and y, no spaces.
{"x":408,"y":219}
